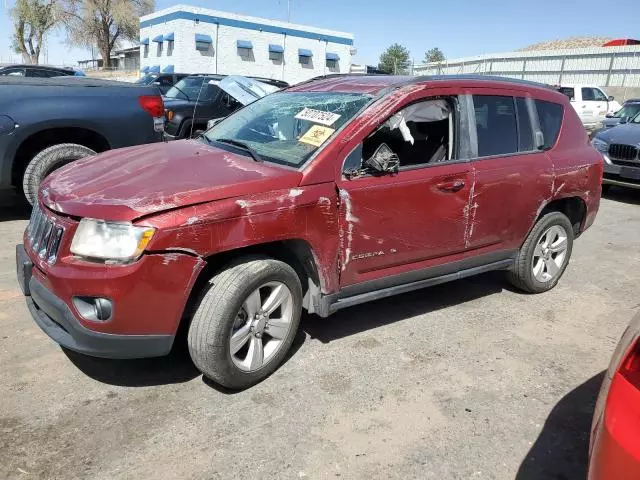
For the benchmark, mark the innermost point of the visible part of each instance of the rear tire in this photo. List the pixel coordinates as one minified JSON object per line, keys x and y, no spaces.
{"x":225,"y":338}
{"x":48,"y":160}
{"x":545,"y":254}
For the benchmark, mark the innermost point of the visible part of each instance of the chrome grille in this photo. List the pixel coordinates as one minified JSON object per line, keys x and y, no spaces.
{"x":44,"y":235}
{"x":623,"y":152}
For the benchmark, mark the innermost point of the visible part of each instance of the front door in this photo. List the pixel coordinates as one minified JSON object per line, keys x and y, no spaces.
{"x":413,"y":219}
{"x":594,"y":105}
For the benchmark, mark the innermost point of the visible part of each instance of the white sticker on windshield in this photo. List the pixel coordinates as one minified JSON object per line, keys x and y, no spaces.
{"x":214,"y":82}
{"x":318,"y":116}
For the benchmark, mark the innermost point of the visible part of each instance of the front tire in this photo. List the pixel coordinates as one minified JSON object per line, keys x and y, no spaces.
{"x":545,"y":254}
{"x":47,"y":161}
{"x":246,"y":322}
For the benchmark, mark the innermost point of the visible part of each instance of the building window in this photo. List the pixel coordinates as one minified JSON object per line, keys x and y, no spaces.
{"x":332,"y":60}
{"x":276,"y":52}
{"x":305,"y":56}
{"x":203,"y":42}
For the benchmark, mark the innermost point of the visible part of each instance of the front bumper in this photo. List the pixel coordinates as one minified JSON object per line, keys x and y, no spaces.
{"x":57,"y":320}
{"x":620,"y":175}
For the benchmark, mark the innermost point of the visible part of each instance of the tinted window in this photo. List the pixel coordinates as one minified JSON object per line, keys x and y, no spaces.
{"x":14,"y":72}
{"x":525,"y":130}
{"x":569,"y":92}
{"x":550,"y":118}
{"x":588,"y":94}
{"x":165,"y":81}
{"x":496,"y":125}
{"x":599,"y":95}
{"x":33,"y":72}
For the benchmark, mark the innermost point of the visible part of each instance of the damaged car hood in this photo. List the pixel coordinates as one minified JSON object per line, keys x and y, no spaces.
{"x":125,"y":184}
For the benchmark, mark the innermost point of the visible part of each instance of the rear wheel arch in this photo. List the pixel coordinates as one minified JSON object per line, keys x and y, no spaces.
{"x":575,"y":209}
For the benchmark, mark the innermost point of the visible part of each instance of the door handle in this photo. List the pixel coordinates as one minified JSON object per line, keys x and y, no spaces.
{"x":451,"y":187}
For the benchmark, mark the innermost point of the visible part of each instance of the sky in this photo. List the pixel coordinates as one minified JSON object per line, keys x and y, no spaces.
{"x":459,"y":28}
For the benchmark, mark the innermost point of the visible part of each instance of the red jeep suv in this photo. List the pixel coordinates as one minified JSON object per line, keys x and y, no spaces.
{"x":325,"y":195}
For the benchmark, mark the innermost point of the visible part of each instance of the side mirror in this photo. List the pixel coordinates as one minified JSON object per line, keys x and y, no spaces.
{"x":611,"y":98}
{"x":383,"y":160}
{"x":609,"y":115}
{"x":624,"y":120}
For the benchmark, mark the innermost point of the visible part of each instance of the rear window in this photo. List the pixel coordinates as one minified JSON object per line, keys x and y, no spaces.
{"x":569,"y":92}
{"x":496,"y":125}
{"x":550,"y":117}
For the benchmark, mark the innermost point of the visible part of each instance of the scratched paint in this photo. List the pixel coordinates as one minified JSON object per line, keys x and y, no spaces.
{"x":350,"y":219}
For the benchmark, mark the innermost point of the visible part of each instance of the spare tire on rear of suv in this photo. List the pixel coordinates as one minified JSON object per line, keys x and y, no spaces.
{"x":48,"y":160}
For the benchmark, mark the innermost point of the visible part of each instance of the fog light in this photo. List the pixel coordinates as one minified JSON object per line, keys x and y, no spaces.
{"x":95,"y":309}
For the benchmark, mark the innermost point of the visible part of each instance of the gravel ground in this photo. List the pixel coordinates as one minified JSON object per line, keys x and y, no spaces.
{"x":464,"y":380}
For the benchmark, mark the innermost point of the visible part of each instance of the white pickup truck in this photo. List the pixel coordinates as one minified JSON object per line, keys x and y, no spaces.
{"x":591,"y":103}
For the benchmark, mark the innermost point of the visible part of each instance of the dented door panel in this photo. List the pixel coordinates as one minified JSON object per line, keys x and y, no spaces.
{"x":306,"y":213}
{"x":400,"y":220}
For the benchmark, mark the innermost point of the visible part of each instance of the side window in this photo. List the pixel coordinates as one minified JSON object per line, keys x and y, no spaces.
{"x":14,"y":72}
{"x":525,"y":129}
{"x":550,"y":118}
{"x":419,"y":134}
{"x":496,"y":125}
{"x":569,"y":92}
{"x":599,"y":95}
{"x":588,"y":94}
{"x":42,"y":73}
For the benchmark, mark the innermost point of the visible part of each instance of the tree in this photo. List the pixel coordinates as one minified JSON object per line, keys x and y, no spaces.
{"x":32,"y":19}
{"x":395,"y":60}
{"x":102,"y":23}
{"x":434,"y":55}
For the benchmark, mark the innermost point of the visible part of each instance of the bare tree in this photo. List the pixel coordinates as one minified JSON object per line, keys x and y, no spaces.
{"x":32,"y":19}
{"x":102,"y":23}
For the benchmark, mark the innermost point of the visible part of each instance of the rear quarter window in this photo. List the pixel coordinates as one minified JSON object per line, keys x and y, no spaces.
{"x":550,"y":118}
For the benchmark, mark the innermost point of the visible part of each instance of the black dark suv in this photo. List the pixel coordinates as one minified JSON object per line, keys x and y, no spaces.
{"x":164,"y":81}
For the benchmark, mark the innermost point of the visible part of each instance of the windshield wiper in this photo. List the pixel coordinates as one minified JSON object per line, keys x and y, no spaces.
{"x":241,"y":145}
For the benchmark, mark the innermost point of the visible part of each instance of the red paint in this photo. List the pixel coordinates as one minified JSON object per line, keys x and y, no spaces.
{"x":204,"y":201}
{"x":621,"y":42}
{"x":615,"y":437}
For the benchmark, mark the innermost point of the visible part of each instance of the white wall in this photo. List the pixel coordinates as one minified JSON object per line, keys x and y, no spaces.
{"x":603,"y":66}
{"x":225,"y":58}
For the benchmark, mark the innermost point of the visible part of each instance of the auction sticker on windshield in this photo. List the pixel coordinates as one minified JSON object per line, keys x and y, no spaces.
{"x":316,"y":135}
{"x":318,"y":116}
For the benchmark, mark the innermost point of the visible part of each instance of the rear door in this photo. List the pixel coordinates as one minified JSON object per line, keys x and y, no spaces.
{"x":511,"y":176}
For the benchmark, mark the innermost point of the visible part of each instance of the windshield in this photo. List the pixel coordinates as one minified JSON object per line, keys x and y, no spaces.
{"x":630,"y":110}
{"x":636,"y":119}
{"x":146,"y":80}
{"x":288,"y":127}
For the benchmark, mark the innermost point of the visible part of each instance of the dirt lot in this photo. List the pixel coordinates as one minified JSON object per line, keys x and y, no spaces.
{"x":465,"y":380}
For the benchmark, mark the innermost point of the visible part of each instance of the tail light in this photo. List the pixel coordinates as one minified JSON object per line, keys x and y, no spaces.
{"x":152,"y":104}
{"x":630,"y":367}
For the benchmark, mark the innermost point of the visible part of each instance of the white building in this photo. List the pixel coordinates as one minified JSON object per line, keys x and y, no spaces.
{"x":189,"y":39}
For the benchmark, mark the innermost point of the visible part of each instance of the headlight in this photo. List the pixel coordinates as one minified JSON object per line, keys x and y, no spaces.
{"x":600,"y":145}
{"x":120,"y":242}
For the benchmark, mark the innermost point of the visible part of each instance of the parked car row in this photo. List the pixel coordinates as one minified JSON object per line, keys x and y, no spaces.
{"x":38,"y":71}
